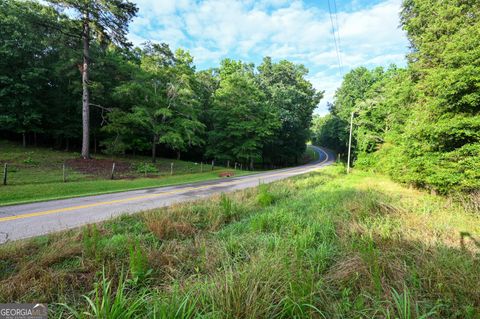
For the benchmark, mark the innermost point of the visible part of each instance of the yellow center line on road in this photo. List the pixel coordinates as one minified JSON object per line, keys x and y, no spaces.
{"x":129,"y":199}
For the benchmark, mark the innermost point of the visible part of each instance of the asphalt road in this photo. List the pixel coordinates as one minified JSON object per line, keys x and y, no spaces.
{"x":29,"y":220}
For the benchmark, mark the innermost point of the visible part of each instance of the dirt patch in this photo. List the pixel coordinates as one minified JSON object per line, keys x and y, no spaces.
{"x":100,"y":167}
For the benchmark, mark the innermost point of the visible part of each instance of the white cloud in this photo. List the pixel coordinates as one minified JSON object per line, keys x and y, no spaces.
{"x":290,"y":29}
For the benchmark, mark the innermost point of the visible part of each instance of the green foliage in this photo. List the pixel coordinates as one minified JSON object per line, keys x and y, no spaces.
{"x":139,"y":268}
{"x":29,"y":160}
{"x":146,"y":168}
{"x":241,"y":118}
{"x":331,"y":245}
{"x":405,"y":307}
{"x":143,"y":98}
{"x":107,"y":302}
{"x":264,"y":197}
{"x":420,"y":124}
{"x":91,"y":240}
{"x":292,"y":99}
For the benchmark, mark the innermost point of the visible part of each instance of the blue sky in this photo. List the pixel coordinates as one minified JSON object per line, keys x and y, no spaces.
{"x":298,"y":30}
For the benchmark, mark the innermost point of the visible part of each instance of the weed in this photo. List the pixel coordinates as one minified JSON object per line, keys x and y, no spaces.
{"x":164,"y":227}
{"x":29,"y":160}
{"x":139,"y":268}
{"x":91,"y":240}
{"x":145,"y":168}
{"x":176,"y":306}
{"x":105,"y":302}
{"x":264,"y":197}
{"x":340,"y":246}
{"x":404,"y":307}
{"x":228,"y":207}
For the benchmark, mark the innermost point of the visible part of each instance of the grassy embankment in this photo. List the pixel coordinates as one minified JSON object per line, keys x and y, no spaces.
{"x":36,"y":174}
{"x":324,"y":245}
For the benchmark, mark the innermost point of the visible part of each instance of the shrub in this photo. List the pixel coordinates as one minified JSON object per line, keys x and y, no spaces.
{"x":145,"y":168}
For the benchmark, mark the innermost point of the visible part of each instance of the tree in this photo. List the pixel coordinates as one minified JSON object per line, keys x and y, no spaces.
{"x":162,"y":100}
{"x":293,"y":99}
{"x":326,"y":132}
{"x":242,"y":119}
{"x":107,"y":20}
{"x":24,"y":64}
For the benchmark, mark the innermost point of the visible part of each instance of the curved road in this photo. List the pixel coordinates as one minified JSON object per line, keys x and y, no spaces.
{"x":29,"y":220}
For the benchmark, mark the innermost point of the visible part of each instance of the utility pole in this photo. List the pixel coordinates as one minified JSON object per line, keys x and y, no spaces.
{"x":350,"y":143}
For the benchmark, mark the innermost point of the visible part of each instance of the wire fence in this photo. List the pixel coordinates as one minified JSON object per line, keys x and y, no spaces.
{"x":77,"y":170}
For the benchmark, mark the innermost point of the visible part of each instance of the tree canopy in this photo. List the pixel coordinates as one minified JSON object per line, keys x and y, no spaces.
{"x":421,"y":123}
{"x":147,"y":99}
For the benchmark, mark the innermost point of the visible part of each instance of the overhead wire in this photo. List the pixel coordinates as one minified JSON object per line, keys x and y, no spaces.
{"x":334,"y":33}
{"x":338,"y":30}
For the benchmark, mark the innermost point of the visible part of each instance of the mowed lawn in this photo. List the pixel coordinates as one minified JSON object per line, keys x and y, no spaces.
{"x":323,"y":245}
{"x":36,"y":174}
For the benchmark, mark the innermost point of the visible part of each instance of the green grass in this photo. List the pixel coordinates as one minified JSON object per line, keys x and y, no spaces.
{"x":32,"y":169}
{"x":324,"y":245}
{"x":37,"y":165}
{"x":18,"y":194}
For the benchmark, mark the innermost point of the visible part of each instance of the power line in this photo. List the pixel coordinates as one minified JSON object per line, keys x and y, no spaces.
{"x":335,"y":38}
{"x":338,"y":30}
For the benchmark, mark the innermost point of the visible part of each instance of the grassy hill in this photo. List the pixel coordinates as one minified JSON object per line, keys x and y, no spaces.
{"x":32,"y":168}
{"x":323,"y":245}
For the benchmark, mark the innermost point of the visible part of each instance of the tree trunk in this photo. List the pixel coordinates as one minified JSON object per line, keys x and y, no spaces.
{"x":24,"y":139}
{"x":67,"y":144}
{"x":35,"y":139}
{"x":154,"y":150}
{"x":86,"y":97}
{"x":178,"y":155}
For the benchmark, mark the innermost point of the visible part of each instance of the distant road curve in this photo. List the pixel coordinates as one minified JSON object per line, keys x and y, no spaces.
{"x":29,"y":220}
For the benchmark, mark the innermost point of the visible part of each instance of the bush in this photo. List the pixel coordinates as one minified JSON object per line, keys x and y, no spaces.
{"x":146,"y":168}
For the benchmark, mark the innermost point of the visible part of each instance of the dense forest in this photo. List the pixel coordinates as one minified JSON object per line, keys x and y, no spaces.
{"x":421,"y":123}
{"x":69,"y":79}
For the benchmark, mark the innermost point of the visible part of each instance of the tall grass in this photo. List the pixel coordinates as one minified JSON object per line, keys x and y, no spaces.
{"x":325,"y":245}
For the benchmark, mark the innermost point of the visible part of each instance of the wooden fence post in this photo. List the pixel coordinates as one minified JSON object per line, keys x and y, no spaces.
{"x":5,"y":171}
{"x":113,"y":171}
{"x":213,"y":164}
{"x":171,"y":168}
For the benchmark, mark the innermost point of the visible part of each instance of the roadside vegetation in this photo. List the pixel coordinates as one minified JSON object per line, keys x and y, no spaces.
{"x":420,"y":124}
{"x":34,"y":167}
{"x":323,"y":245}
{"x":145,"y":100}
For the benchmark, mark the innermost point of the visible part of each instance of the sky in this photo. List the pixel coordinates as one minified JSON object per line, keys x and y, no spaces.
{"x":368,"y":33}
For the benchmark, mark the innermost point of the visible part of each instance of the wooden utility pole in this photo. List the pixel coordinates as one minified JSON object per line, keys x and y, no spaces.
{"x":350,"y":143}
{"x":86,"y":94}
